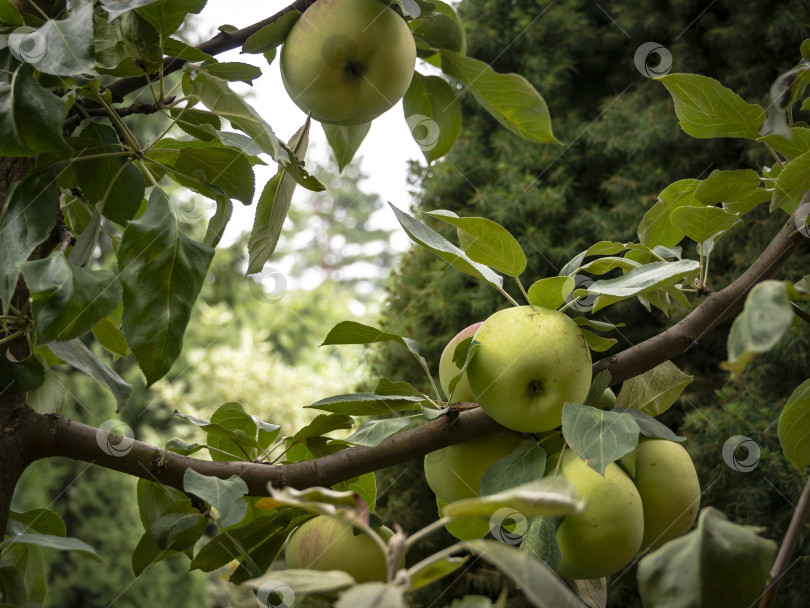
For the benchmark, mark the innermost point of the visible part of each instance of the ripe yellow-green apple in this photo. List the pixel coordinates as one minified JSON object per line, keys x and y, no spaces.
{"x":455,"y":472}
{"x":348,"y":61}
{"x":669,"y":488}
{"x":326,"y":543}
{"x":530,"y":362}
{"x":607,"y":534}
{"x":449,"y":370}
{"x":606,"y":401}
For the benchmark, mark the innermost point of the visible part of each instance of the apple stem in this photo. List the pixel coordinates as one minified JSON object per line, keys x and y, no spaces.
{"x":427,"y":530}
{"x":508,"y":297}
{"x":522,"y":290}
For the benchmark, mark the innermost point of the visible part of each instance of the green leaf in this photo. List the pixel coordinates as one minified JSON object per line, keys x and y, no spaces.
{"x":599,"y":384}
{"x":215,"y":94}
{"x":649,"y":426}
{"x":26,"y":221}
{"x":468,"y":528}
{"x":111,"y":338}
{"x":48,"y":398}
{"x":794,"y":427}
{"x":707,"y":109}
{"x":656,"y":227}
{"x":114,"y":181}
{"x":78,"y":356}
{"x":272,"y":35}
{"x":351,"y":332}
{"x":142,"y":41}
{"x":716,"y":565}
{"x":654,"y":391}
{"x":372,"y":595}
{"x":486,"y":242}
{"x":599,"y":437}
{"x":321,"y":425}
{"x":798,"y":144}
{"x":18,"y":377}
{"x":725,"y":186}
{"x":27,"y":559}
{"x":191,"y":120}
{"x":600,"y":248}
{"x":433,"y":115}
{"x":49,"y":541}
{"x":638,"y":281}
{"x":549,"y":496}
{"x":439,"y":569}
{"x":345,"y":141}
{"x":540,"y":540}
{"x":9,"y":14}
{"x":147,"y":553}
{"x":224,"y":169}
{"x":155,"y":499}
{"x":274,"y":204}
{"x":764,"y":320}
{"x":115,"y":8}
{"x":244,"y":432}
{"x":299,"y":582}
{"x":30,"y":117}
{"x":227,"y":496}
{"x":62,"y":48}
{"x":596,"y":343}
{"x":177,"y":48}
{"x":42,"y":521}
{"x":184,"y":448}
{"x":702,"y":223}
{"x":162,"y":272}
{"x":510,"y":98}
{"x":177,"y":531}
{"x":542,"y":587}
{"x":791,"y":184}
{"x":218,"y":222}
{"x":67,"y":300}
{"x":372,"y":432}
{"x":524,"y":464}
{"x":366,"y":404}
{"x":438,"y":245}
{"x":551,"y":292}
{"x":386,"y":387}
{"x":234,"y":71}
{"x":82,"y":251}
{"x":168,"y":15}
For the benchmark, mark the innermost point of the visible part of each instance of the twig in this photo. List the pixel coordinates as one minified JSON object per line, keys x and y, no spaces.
{"x":800,"y":312}
{"x":780,"y":565}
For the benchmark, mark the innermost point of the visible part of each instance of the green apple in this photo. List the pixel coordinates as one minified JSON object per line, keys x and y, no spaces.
{"x":607,"y":401}
{"x":449,"y":370}
{"x":455,"y":472}
{"x":348,"y":61}
{"x":606,"y":536}
{"x":326,"y":543}
{"x":530,"y":362}
{"x":670,"y":492}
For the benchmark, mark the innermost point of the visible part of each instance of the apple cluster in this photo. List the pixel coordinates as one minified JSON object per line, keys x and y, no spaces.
{"x":529,"y":362}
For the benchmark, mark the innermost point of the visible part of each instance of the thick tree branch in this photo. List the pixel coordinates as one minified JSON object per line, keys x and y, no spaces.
{"x":224,"y":41}
{"x":715,"y":309}
{"x":82,"y":442}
